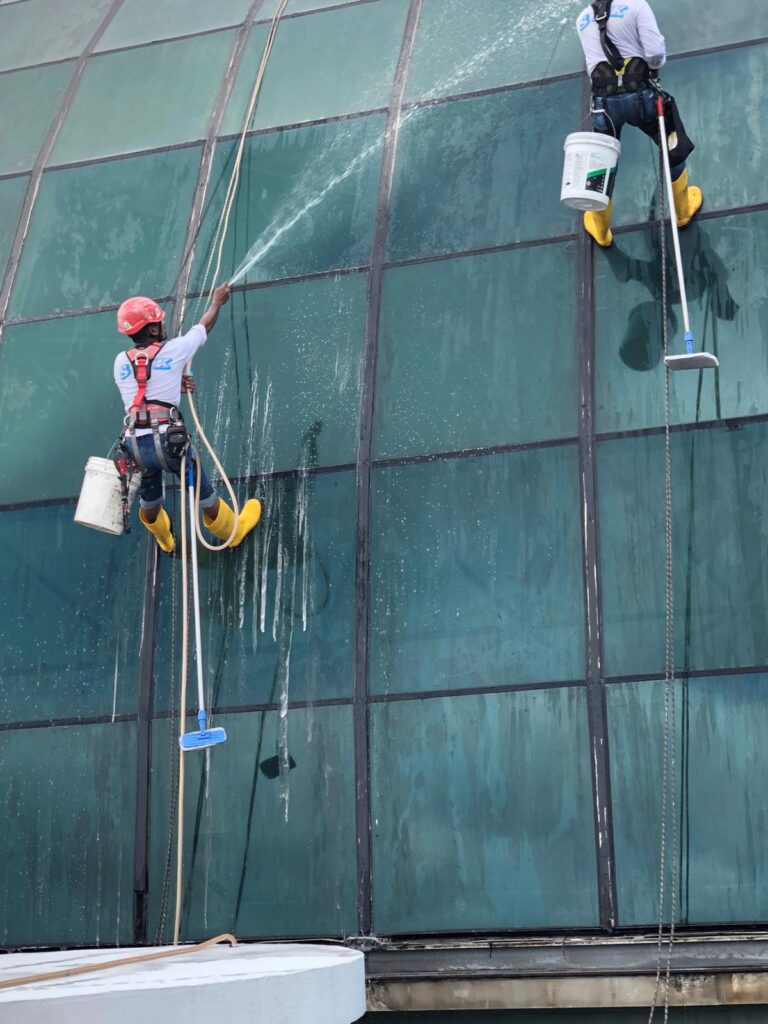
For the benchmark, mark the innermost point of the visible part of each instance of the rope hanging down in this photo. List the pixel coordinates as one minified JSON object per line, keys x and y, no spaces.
{"x":669,"y":759}
{"x":217,"y":248}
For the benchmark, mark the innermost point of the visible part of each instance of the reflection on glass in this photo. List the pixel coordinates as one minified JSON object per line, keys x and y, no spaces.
{"x":284,"y":363}
{"x":267,"y":849}
{"x":297,"y":86}
{"x":105,"y":231}
{"x":719,"y":486}
{"x":278,"y":614}
{"x":728,"y":298}
{"x":475,"y":799}
{"x":68,"y":649}
{"x":469,"y":356}
{"x":476,"y":572}
{"x":66,"y":849}
{"x":721,"y":760}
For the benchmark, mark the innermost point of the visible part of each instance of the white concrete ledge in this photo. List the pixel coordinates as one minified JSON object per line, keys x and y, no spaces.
{"x":269,"y":983}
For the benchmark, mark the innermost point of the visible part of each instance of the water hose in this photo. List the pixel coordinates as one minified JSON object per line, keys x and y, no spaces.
{"x":142,"y":958}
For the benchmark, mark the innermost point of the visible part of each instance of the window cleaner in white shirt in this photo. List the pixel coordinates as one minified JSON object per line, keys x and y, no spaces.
{"x":624,"y":50}
{"x":150,"y":378}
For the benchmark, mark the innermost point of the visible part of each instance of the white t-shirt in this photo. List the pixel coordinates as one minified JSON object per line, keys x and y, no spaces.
{"x":631,"y":26}
{"x":167,"y":368}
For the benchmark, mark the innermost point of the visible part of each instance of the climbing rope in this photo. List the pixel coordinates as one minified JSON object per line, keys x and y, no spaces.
{"x":142,"y":958}
{"x":669,"y":760}
{"x":209,"y":279}
{"x":218,"y":248}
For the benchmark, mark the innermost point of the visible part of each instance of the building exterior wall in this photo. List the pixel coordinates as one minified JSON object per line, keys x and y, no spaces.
{"x":453,"y":412}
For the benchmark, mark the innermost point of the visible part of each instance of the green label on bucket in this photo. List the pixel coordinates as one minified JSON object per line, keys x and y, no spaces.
{"x":596,"y":180}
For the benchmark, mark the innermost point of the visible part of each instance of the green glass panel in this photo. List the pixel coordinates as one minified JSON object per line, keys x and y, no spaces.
{"x":269,"y":7}
{"x":306,"y":202}
{"x":721,"y":802}
{"x":30,"y":100}
{"x":278,"y":615}
{"x":70,"y":643}
{"x":463,"y":47}
{"x":465,"y":360}
{"x":103,"y":232}
{"x":146,"y":21}
{"x":280,"y":378}
{"x":52,"y":386}
{"x":44,"y":30}
{"x":727,"y":285}
{"x":474,"y":799}
{"x":66,"y":851}
{"x":476,"y":572}
{"x":360,"y":43}
{"x":266,"y":854}
{"x":720,"y":524}
{"x":481,"y":172}
{"x":728,"y":163}
{"x":12,"y":191}
{"x":168,"y":98}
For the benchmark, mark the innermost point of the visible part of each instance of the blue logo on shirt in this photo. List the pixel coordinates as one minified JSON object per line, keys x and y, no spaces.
{"x":616,"y":12}
{"x":166,"y":363}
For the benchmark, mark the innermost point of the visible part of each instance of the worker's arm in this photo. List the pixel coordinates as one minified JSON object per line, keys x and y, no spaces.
{"x":211,"y":315}
{"x":654,"y":47}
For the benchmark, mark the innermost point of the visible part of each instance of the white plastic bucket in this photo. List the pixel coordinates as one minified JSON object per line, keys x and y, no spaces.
{"x":101,"y":503}
{"x":589,"y":170}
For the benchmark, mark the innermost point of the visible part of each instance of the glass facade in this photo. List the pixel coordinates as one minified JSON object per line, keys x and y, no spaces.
{"x":443,"y":647}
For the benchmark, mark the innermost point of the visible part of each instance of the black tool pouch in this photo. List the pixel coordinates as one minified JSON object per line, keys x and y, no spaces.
{"x":176,"y":440}
{"x":678,"y":142}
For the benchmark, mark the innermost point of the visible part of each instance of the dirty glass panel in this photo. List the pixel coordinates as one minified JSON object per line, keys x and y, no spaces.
{"x":719,"y":484}
{"x":469,"y":355}
{"x":69,"y":636}
{"x":173,"y":87}
{"x":52,"y":386}
{"x":146,"y":21}
{"x":278,"y":613}
{"x":280,"y":378}
{"x":463,"y":47}
{"x":66,"y":862}
{"x":268,"y":852}
{"x":476,"y":572}
{"x":103,"y":232}
{"x":44,"y":30}
{"x":727,"y":285}
{"x":30,"y":100}
{"x":474,"y":800}
{"x":306,"y":203}
{"x":721,"y":802}
{"x":731,"y":142}
{"x":360,"y":43}
{"x":493,"y":167}
{"x":12,"y":192}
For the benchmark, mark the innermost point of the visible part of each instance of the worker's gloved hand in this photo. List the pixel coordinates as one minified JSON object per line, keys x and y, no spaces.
{"x":221,"y":294}
{"x":188,"y":384}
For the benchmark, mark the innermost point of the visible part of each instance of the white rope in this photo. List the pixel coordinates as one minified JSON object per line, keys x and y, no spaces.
{"x":218,"y":247}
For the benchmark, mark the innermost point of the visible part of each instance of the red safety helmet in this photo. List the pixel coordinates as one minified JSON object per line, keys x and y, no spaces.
{"x":136,"y":313}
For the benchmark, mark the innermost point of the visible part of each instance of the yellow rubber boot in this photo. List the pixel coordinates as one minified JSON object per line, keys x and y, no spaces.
{"x":688,"y":199}
{"x":221,"y":526}
{"x":597,"y":223}
{"x":160,"y":530}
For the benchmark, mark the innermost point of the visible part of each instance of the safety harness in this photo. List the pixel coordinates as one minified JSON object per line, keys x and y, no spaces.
{"x":150,"y":415}
{"x":615,"y":74}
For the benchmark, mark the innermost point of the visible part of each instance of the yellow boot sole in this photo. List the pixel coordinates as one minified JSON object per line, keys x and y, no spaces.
{"x":594,"y":229}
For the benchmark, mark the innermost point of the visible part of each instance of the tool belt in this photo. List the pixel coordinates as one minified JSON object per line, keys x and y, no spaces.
{"x":152,"y":414}
{"x":634,"y":76}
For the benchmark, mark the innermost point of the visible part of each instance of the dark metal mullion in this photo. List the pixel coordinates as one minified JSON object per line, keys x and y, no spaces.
{"x":596,"y":706}
{"x":143,"y":749}
{"x":363,"y":479}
